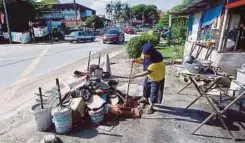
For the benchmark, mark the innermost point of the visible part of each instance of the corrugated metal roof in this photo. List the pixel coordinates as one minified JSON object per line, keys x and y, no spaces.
{"x":194,"y":5}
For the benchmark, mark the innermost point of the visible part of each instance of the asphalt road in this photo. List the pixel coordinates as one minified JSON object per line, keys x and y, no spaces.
{"x":19,"y":61}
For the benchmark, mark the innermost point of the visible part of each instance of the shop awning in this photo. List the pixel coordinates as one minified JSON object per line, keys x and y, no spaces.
{"x":235,"y":4}
{"x":211,"y":14}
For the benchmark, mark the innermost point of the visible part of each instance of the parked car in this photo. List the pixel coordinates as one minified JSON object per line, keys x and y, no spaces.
{"x":78,"y":36}
{"x":130,"y":31}
{"x":113,"y":36}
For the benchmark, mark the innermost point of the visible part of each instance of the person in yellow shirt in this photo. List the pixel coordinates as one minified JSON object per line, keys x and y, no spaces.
{"x":154,"y":72}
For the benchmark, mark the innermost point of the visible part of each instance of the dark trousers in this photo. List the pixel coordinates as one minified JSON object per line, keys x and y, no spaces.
{"x":153,"y":90}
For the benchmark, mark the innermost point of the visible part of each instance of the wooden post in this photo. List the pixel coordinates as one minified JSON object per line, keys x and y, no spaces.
{"x":58,"y":88}
{"x":7,"y":21}
{"x":99,"y":59}
{"x":89,"y":61}
{"x":129,"y":81}
{"x":41,"y":96}
{"x":220,"y":46}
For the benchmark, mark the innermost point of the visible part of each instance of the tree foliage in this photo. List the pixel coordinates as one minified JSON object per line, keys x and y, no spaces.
{"x":118,"y":10}
{"x":94,"y":22}
{"x":148,"y":13}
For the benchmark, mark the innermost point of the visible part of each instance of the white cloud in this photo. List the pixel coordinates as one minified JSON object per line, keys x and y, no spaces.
{"x":99,"y":5}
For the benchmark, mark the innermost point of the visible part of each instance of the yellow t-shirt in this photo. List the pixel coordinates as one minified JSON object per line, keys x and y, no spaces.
{"x":157,"y":71}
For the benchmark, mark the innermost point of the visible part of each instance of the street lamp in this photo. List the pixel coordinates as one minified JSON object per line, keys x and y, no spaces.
{"x":7,"y":21}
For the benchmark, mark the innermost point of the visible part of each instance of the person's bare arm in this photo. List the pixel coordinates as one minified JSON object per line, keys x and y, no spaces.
{"x":141,"y":74}
{"x":138,"y":61}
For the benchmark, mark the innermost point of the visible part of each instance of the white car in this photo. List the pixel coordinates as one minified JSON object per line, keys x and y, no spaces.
{"x":78,"y":36}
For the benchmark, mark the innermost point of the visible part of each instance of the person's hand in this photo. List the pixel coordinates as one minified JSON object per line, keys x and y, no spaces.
{"x":134,"y":60}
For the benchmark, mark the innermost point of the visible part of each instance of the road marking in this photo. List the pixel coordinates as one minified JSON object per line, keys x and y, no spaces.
{"x":32,"y":66}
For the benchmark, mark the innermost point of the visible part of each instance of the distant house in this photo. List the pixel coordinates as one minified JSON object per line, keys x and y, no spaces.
{"x":217,"y":21}
{"x":69,"y":13}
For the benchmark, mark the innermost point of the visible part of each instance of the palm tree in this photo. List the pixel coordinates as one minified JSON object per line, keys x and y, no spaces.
{"x":109,"y":10}
{"x":126,"y":12}
{"x":118,"y":7}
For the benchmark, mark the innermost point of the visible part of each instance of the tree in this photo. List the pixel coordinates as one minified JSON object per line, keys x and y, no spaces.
{"x":20,"y":13}
{"x":138,"y":11}
{"x":126,"y":12}
{"x":49,"y":1}
{"x":148,"y":13}
{"x":94,"y":22}
{"x":109,"y":10}
{"x":118,"y":8}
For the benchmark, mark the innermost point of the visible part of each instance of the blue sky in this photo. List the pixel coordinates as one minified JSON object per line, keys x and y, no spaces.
{"x":99,"y":5}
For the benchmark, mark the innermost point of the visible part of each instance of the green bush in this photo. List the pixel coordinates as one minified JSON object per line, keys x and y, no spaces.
{"x":134,"y":45}
{"x":153,"y":38}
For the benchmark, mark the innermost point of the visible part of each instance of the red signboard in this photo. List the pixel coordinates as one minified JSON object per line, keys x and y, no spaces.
{"x":73,"y":23}
{"x":235,"y":4}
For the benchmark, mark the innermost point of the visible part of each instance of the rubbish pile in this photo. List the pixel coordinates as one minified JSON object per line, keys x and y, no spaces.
{"x":89,"y":95}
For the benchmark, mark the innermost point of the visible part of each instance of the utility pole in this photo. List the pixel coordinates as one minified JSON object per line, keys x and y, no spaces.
{"x":75,"y":9}
{"x":7,"y":21}
{"x":130,"y":14}
{"x":170,"y":29}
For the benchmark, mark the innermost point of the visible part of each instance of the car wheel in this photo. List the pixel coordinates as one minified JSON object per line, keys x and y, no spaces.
{"x":118,"y":41}
{"x":92,"y":39}
{"x":123,"y":39}
{"x":104,"y":42}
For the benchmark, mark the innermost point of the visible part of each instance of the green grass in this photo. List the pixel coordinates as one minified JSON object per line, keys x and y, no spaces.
{"x":171,"y":53}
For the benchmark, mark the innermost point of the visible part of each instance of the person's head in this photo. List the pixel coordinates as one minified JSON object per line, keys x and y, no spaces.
{"x":148,"y":49}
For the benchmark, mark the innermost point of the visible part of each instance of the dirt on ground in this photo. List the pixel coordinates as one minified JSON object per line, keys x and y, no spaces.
{"x":171,"y":122}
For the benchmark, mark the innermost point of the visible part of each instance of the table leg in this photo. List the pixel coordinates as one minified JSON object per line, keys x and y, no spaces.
{"x":217,"y":112}
{"x":184,"y":88}
{"x":204,"y":122}
{"x":193,"y":102}
{"x":201,"y":93}
{"x":223,"y":123}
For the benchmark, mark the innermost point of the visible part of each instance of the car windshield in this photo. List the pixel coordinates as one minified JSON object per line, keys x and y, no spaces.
{"x":74,"y":33}
{"x":112,"y":32}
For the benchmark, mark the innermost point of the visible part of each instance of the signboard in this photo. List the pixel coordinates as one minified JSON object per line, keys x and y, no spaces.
{"x":40,"y":31}
{"x":19,"y":37}
{"x":51,"y":15}
{"x":73,"y":23}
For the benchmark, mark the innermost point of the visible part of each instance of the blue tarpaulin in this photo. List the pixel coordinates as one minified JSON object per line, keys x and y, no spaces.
{"x":210,"y":15}
{"x":190,"y":23}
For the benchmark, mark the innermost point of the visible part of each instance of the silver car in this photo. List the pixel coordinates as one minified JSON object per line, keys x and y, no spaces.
{"x":78,"y":36}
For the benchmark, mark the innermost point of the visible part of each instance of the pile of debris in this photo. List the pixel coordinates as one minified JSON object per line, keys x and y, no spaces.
{"x":88,"y":95}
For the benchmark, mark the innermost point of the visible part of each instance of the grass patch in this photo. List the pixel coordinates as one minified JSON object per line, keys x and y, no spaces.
{"x":171,"y":53}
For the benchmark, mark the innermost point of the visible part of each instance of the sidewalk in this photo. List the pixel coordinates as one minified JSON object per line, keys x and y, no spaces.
{"x":171,"y":123}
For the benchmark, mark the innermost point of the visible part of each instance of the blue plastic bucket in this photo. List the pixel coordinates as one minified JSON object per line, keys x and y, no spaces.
{"x":62,"y":119}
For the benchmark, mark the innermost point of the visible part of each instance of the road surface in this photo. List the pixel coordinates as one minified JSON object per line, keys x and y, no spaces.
{"x":19,"y":61}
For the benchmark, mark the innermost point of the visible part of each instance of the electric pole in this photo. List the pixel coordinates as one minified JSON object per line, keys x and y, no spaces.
{"x":7,"y":21}
{"x":130,"y":14}
{"x":75,"y":9}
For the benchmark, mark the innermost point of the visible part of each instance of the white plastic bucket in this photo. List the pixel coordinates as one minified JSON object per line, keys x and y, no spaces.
{"x":42,"y":117}
{"x":62,"y":119}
